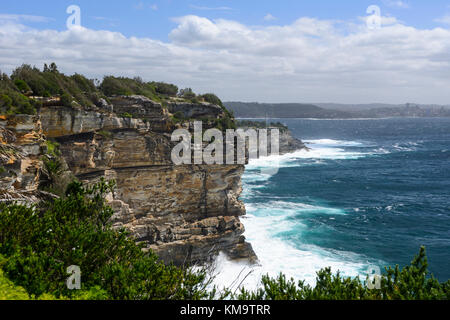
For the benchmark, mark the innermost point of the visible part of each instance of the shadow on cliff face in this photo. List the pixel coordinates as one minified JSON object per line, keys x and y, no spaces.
{"x":186,"y":213}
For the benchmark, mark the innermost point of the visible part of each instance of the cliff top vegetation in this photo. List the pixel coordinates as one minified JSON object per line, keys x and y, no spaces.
{"x":24,"y":91}
{"x":261,"y":125}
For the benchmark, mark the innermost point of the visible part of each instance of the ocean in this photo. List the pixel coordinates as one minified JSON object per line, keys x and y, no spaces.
{"x":369,"y":193}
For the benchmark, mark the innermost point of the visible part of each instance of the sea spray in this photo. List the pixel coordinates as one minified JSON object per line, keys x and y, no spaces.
{"x":267,"y":222}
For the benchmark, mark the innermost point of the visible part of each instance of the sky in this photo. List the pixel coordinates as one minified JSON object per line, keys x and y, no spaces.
{"x":264,"y":51}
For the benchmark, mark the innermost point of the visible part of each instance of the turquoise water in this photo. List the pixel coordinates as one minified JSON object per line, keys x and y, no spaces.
{"x":370,"y":192}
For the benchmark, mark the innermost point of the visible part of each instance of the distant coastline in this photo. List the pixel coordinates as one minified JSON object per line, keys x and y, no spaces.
{"x":342,"y":119}
{"x":254,"y":110}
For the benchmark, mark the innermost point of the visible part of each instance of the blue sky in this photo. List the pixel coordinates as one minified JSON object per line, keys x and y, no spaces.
{"x":144,"y":18}
{"x":268,"y":51}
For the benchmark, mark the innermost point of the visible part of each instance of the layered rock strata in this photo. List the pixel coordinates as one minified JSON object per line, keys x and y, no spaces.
{"x":186,"y":214}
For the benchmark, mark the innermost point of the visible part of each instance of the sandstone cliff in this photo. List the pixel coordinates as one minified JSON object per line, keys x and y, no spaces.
{"x":184,"y":213}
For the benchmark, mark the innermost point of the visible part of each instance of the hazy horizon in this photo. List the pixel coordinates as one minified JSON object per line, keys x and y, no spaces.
{"x":345,"y":104}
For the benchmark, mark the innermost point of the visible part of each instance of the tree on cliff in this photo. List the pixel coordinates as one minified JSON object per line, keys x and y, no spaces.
{"x":187,"y":93}
{"x":166,"y":88}
{"x":212,"y":98}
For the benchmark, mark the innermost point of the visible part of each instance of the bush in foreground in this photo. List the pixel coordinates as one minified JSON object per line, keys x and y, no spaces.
{"x":413,"y":282}
{"x":38,"y":244}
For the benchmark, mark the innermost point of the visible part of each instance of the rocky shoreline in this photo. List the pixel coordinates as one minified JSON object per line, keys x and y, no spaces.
{"x":287,"y":142}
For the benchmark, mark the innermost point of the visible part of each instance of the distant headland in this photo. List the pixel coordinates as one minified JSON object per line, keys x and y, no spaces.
{"x":334,"y":110}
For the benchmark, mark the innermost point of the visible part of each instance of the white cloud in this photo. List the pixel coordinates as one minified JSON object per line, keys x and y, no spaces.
{"x":384,"y":21}
{"x":269,"y":17}
{"x":141,"y":5}
{"x":444,"y":20}
{"x":307,"y":60}
{"x":396,"y":3}
{"x":23,"y":17}
{"x":223,"y":8}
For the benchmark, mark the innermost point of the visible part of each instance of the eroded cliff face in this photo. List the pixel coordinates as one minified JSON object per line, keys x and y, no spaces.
{"x":184,"y":213}
{"x":21,"y":140}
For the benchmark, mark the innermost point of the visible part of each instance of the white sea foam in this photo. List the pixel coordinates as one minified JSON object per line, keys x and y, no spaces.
{"x":331,"y":142}
{"x":287,"y":208}
{"x":321,"y":152}
{"x":263,"y":223}
{"x":322,"y":149}
{"x":266,"y":221}
{"x":277,"y":255}
{"x":407,"y":146}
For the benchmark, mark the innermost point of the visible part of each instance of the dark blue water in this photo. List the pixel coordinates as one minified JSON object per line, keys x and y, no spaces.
{"x":370,"y":192}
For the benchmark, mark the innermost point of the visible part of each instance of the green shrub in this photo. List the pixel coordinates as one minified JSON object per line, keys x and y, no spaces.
{"x":126,"y":115}
{"x":12,"y":101}
{"x":55,"y":177}
{"x":52,"y":169}
{"x":84,"y":84}
{"x":413,"y":282}
{"x":5,"y":101}
{"x":16,"y":103}
{"x":112,"y":86}
{"x":179,"y":115}
{"x":66,"y":100}
{"x":225,"y":123}
{"x":166,"y":88}
{"x":53,"y":148}
{"x":212,"y":98}
{"x":51,"y":82}
{"x":52,"y":164}
{"x":261,"y":125}
{"x":77,"y":88}
{"x":22,"y":86}
{"x":187,"y":94}
{"x":32,"y":77}
{"x":39,"y":243}
{"x":195,"y":100}
{"x":8,"y":291}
